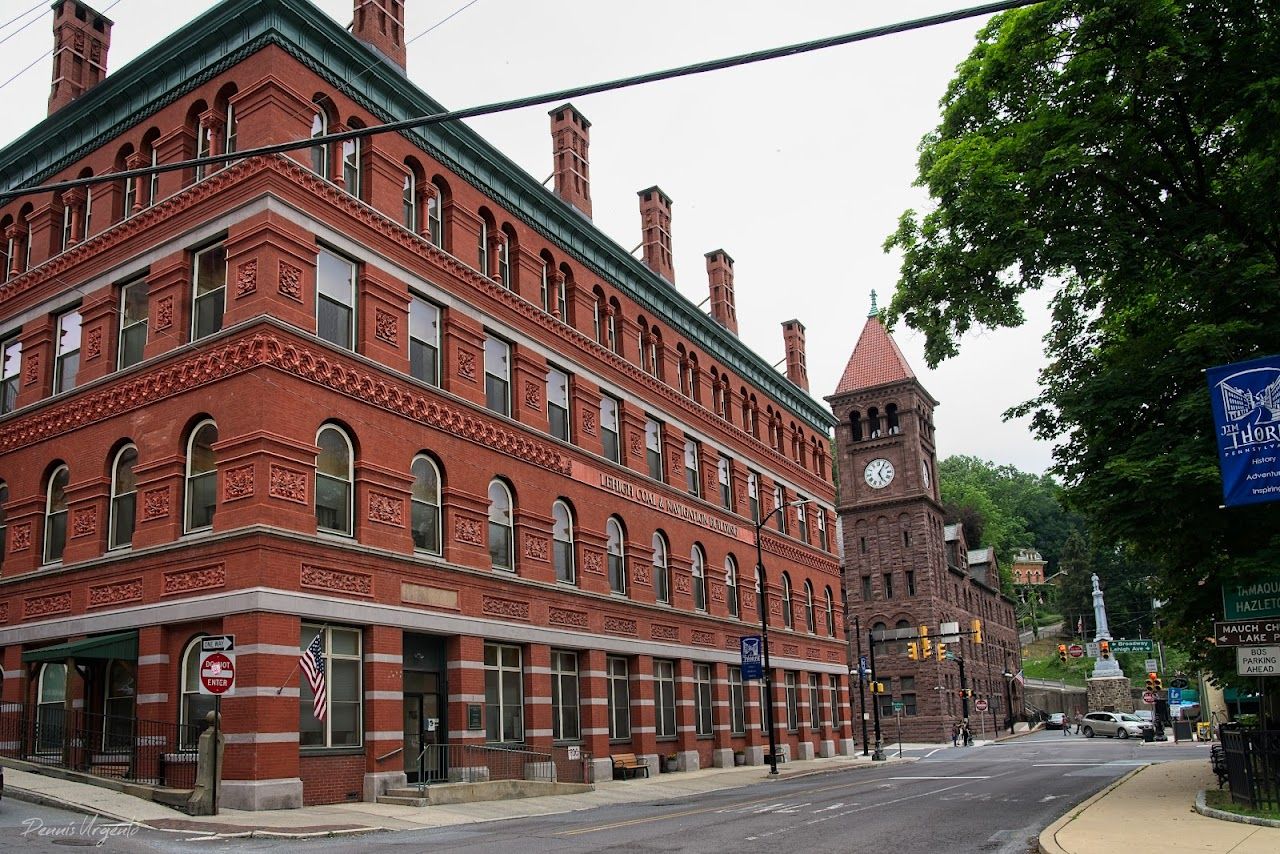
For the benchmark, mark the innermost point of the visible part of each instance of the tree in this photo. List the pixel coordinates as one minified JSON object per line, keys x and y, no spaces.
{"x":1123,"y":154}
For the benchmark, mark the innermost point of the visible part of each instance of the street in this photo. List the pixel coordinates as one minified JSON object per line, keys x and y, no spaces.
{"x":993,"y":798}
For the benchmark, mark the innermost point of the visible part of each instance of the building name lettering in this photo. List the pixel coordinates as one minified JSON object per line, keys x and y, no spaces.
{"x":666,"y":505}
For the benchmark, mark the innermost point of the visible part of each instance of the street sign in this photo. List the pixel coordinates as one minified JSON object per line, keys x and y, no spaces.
{"x":1257,"y":660}
{"x":949,"y":632}
{"x":1151,"y":665}
{"x":864,"y":669}
{"x":980,"y":705}
{"x":1141,"y":645}
{"x":218,"y":643}
{"x":1075,"y":651}
{"x":217,"y":673}
{"x":1091,"y":649}
{"x":1148,"y":697}
{"x":898,"y":707}
{"x":1175,"y":696}
{"x":1251,"y":601}
{"x":1247,"y":633}
{"x":752,"y":666}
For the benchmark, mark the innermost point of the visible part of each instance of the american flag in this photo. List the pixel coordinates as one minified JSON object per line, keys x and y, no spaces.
{"x":312,"y":663}
{"x":1021,"y":679}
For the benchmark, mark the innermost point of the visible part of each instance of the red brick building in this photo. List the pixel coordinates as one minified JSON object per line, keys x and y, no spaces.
{"x":392,"y":392}
{"x":903,"y":567}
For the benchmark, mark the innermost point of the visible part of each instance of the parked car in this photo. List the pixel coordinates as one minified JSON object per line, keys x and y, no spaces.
{"x":1114,"y":725}
{"x":1057,"y":720}
{"x":1146,"y":715}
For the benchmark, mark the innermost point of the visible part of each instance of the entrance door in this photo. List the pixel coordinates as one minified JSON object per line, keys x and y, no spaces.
{"x":424,"y":729}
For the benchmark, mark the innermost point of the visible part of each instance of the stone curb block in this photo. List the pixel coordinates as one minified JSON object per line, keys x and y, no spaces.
{"x":1210,"y":812}
{"x":1047,"y":842}
{"x":41,"y":799}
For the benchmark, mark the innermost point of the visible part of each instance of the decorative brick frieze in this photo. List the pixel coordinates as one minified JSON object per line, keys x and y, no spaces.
{"x":191,"y":580}
{"x":661,"y":632}
{"x":46,"y":606}
{"x":289,"y":484}
{"x":702,"y":638}
{"x":619,"y":625}
{"x":509,"y":608}
{"x":336,"y":580}
{"x":116,"y":593}
{"x":791,"y":649}
{"x":568,"y":618}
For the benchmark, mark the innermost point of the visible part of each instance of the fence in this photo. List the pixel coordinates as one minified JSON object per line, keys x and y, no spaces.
{"x":1253,"y":766}
{"x":478,"y":763}
{"x":154,"y":752}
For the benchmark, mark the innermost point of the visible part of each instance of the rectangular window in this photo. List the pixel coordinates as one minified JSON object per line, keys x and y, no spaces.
{"x":911,"y":583}
{"x":702,"y":699}
{"x":424,"y":340}
{"x":68,"y":361}
{"x":336,"y":299}
{"x":908,"y":686}
{"x":888,"y":585}
{"x":664,"y":698}
{"x":823,"y":543}
{"x":653,"y":447}
{"x":209,"y":287}
{"x":504,"y":263}
{"x":204,"y":147}
{"x":793,"y":703}
{"x":619,"y":679}
{"x":565,"y":711}
{"x":836,"y":718}
{"x":802,"y":520}
{"x":133,"y":322}
{"x":503,"y":693}
{"x":886,"y":700}
{"x":692,"y":463}
{"x":737,"y":706}
{"x":435,"y":217}
{"x":342,"y":726}
{"x":724,"y":472}
{"x":558,"y":403}
{"x":351,"y":166}
{"x":10,"y":372}
{"x":815,"y":702}
{"x":866,"y":588}
{"x":497,"y":375}
{"x":753,"y":495}
{"x":779,"y":503}
{"x":609,"y":429}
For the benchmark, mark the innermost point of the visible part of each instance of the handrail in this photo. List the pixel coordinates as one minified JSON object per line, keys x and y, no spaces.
{"x":389,"y":754}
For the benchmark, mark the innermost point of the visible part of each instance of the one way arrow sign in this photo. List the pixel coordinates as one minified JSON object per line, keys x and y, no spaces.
{"x":218,"y":643}
{"x":1247,"y":633}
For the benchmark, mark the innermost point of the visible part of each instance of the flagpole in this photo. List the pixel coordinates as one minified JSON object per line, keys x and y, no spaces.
{"x":298,"y":663}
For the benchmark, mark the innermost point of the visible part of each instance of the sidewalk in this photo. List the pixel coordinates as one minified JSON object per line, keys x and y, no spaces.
{"x":347,"y":818}
{"x":1153,"y":808}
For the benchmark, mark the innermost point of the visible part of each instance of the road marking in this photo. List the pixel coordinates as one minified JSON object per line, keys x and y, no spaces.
{"x":834,"y":806}
{"x":931,"y":752}
{"x":988,"y":777}
{"x":1048,"y":798}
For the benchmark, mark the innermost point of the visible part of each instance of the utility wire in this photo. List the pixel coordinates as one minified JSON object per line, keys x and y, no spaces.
{"x":18,"y":17}
{"x":536,"y":100}
{"x":42,"y":56}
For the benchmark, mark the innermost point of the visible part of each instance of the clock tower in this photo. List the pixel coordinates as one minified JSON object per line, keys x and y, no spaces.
{"x":902,"y":566}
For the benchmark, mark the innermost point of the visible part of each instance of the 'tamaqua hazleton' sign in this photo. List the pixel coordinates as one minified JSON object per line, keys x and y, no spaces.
{"x":1246,"y":601}
{"x":1245,"y":398}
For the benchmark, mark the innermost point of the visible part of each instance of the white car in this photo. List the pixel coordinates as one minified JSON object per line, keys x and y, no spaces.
{"x":1114,"y":725}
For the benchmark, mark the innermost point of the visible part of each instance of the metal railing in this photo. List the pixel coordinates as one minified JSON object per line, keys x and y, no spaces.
{"x":126,"y":748}
{"x":1253,"y":766}
{"x":480,"y":763}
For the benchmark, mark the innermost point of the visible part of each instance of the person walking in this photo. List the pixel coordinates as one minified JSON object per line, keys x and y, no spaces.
{"x":1066,"y":725}
{"x":1079,"y":722}
{"x":955,"y":735}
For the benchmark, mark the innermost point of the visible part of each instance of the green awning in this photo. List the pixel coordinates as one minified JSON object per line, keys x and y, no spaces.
{"x":122,"y":645}
{"x":1232,"y":695}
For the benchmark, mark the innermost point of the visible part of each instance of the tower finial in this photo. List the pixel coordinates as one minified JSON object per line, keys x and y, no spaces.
{"x":874,"y":311}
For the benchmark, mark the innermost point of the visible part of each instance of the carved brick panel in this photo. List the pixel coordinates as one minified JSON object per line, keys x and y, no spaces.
{"x":20,"y":537}
{"x":44,"y":606}
{"x":637,"y":445}
{"x":589,"y":422}
{"x":155,"y":503}
{"x":289,"y":484}
{"x":164,"y":312}
{"x":565,"y":617}
{"x":102,"y":595}
{"x":32,"y":375}
{"x":386,"y":327}
{"x":536,"y":548}
{"x":467,"y":531}
{"x":336,"y":580}
{"x":703,"y":638}
{"x":660,"y":632}
{"x":290,"y":281}
{"x":93,"y":343}
{"x":791,"y":649}
{"x":532,"y":396}
{"x":199,"y":578}
{"x":619,"y":625}
{"x":593,"y":562}
{"x":683,"y":582}
{"x":237,"y":483}
{"x":640,"y":572}
{"x":466,"y":364}
{"x":813,"y":653}
{"x":387,"y":509}
{"x":509,"y":608}
{"x":4,"y":612}
{"x":247,"y":277}
{"x":84,"y":522}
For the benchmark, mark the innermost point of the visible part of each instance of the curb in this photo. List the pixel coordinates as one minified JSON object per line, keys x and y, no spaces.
{"x":1222,"y":815}
{"x":1047,"y":841}
{"x":41,"y":799}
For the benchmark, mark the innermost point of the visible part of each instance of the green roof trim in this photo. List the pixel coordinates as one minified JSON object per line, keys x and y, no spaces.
{"x":123,"y":645}
{"x":235,"y":29}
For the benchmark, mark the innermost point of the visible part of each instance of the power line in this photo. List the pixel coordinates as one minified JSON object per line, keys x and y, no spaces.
{"x":42,"y":56}
{"x":544,"y":98}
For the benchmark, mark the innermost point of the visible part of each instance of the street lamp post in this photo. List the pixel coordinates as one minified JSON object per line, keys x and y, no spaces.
{"x":763,"y":603}
{"x":1008,"y":693}
{"x":878,"y":754}
{"x":862,"y":687}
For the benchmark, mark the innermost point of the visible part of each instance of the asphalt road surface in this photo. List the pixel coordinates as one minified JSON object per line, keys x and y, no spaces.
{"x":995,"y":798}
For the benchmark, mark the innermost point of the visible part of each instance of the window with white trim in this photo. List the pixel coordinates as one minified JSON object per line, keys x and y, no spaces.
{"x":753,"y":495}
{"x":699,"y":571}
{"x":209,"y":291}
{"x":501,"y":529}
{"x":692,"y":463}
{"x":810,"y":620}
{"x":336,"y":299}
{"x":424,"y":340}
{"x":619,"y":689}
{"x":55,"y":514}
{"x":732,"y":595}
{"x":562,"y":542}
{"x":779,"y":518}
{"x":661,"y":569}
{"x":836,"y":718}
{"x":788,"y":618}
{"x":194,"y":706}
{"x":67,"y":365}
{"x":133,"y":322}
{"x":124,"y":498}
{"x":617,"y":557}
{"x":424,"y":505}
{"x":558,"y":403}
{"x":566,"y":713}
{"x":335,"y":481}
{"x":503,"y":693}
{"x":202,"y":477}
{"x":702,"y":705}
{"x":497,"y":375}
{"x":802,"y":519}
{"x":609,"y":429}
{"x":815,"y":702}
{"x":724,"y":473}
{"x":341,"y":726}
{"x":10,"y":374}
{"x":664,"y":698}
{"x":793,"y":702}
{"x":737,"y":706}
{"x":653,"y":447}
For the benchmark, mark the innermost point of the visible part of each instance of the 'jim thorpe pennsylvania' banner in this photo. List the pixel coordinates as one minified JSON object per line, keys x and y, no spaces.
{"x":1246,"y":416}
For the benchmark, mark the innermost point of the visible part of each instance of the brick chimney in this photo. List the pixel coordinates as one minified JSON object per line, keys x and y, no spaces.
{"x":655,"y":227}
{"x":379,"y":24}
{"x":720,"y":277}
{"x":570,"y":136}
{"x":80,"y":40}
{"x":793,"y":342}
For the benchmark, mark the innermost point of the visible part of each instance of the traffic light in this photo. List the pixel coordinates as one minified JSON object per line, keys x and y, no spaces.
{"x":1151,"y":681}
{"x":1062,"y":653}
{"x":877,"y":687}
{"x":1159,"y":684}
{"x":942,"y":651}
{"x":926,"y":645}
{"x":913,"y":651}
{"x":975,"y":626}
{"x":964,"y":693}
{"x":1104,"y":649}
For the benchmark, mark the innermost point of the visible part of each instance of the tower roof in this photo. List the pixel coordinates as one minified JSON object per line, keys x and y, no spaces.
{"x":876,"y":360}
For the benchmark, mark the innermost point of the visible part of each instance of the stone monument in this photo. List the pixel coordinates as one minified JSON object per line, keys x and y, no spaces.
{"x":1108,"y":689}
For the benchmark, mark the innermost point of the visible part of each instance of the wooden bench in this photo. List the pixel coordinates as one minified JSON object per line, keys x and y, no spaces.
{"x":782,"y":755}
{"x":627,"y":764}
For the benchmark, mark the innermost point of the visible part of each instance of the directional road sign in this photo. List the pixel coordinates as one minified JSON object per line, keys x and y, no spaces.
{"x":1139,"y":645}
{"x":218,"y":643}
{"x":1247,"y":633}
{"x":1075,"y":651}
{"x":1251,"y":601}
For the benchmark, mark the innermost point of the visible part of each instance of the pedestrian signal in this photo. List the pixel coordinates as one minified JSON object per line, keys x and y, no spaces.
{"x":1062,"y":653}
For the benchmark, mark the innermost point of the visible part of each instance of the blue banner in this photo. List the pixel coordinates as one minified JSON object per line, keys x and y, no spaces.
{"x":752,"y":665}
{"x":1246,"y":416}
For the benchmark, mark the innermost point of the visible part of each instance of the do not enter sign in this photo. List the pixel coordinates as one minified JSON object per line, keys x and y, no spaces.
{"x":217,"y":673}
{"x":1148,"y":697}
{"x":1075,"y":651}
{"x":980,"y":705}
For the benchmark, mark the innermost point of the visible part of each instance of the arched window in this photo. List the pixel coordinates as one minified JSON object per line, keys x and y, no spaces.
{"x":617,"y":556}
{"x":425,"y":505}
{"x":598,"y":312}
{"x":482,"y":244}
{"x":562,"y":535}
{"x":661,"y":569}
{"x":124,"y":497}
{"x":409,"y":200}
{"x":891,"y":418}
{"x":202,"y":476}
{"x":118,"y":704}
{"x":55,"y":514}
{"x":501,"y":533}
{"x":810,"y":620}
{"x":699,"y":579}
{"x":612,"y":321}
{"x":195,"y":706}
{"x":352,"y":175}
{"x":506,"y":245}
{"x":873,"y":423}
{"x":831,"y":614}
{"x":334,"y":480}
{"x":51,"y":699}
{"x":788,"y":618}
{"x":731,"y":586}
{"x":320,"y":153}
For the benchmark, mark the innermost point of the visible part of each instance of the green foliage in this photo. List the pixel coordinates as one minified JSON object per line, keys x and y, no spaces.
{"x":1124,"y":154}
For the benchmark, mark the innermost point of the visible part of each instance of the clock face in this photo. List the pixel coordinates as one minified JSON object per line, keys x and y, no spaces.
{"x":878,"y":473}
{"x":924,"y":472}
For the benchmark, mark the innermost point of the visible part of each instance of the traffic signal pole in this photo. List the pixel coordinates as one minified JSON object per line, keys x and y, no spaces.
{"x":964,"y":693}
{"x":878,"y":755}
{"x":862,"y":688}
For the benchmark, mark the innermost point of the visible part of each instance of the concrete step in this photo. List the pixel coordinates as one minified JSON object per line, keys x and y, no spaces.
{"x":404,"y":798}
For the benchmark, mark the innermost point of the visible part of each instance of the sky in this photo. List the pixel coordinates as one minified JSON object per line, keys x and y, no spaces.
{"x":799,"y":168}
